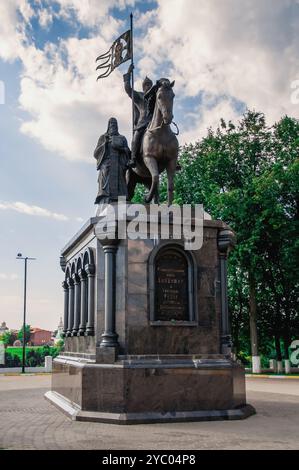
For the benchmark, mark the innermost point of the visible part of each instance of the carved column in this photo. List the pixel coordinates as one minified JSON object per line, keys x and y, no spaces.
{"x":226,"y":241}
{"x":71,"y":307}
{"x":109,"y":337}
{"x":77,"y":304}
{"x":83,"y":317}
{"x":90,"y":270}
{"x":66,"y":307}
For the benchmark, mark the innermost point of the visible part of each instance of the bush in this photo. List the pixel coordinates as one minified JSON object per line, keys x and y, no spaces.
{"x":31,"y":361}
{"x":59,"y":344}
{"x":244,"y":358}
{"x":12,"y":360}
{"x":264,"y":362}
{"x":35,"y":357}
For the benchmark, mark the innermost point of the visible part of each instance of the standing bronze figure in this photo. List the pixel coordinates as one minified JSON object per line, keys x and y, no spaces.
{"x":112,"y":154}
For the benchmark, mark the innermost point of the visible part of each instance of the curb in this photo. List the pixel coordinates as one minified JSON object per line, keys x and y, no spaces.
{"x":264,"y":376}
{"x":27,"y":374}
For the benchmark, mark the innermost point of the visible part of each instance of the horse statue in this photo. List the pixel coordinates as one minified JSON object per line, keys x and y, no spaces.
{"x":159,"y":148}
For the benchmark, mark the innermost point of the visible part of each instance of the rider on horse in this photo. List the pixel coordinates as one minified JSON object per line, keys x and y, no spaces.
{"x":143,"y":111}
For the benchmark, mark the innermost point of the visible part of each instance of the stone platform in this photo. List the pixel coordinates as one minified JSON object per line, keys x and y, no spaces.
{"x":147,"y":330}
{"x":150,"y":389}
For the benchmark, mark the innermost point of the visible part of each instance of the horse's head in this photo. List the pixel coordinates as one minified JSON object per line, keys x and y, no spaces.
{"x":164,"y":99}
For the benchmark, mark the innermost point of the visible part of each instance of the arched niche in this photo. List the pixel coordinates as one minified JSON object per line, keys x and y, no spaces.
{"x":88,"y":257}
{"x":172,"y":286}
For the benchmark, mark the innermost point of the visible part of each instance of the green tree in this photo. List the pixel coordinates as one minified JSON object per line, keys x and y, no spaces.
{"x":27,"y":334}
{"x":247,"y":176}
{"x":8,"y":337}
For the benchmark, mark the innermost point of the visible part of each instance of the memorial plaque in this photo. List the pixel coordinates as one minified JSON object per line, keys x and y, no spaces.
{"x":171,"y":287}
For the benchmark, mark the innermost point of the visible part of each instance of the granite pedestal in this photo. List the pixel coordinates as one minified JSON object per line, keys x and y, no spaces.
{"x":161,"y":349}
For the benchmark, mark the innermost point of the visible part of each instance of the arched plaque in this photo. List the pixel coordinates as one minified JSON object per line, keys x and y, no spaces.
{"x":171,"y":286}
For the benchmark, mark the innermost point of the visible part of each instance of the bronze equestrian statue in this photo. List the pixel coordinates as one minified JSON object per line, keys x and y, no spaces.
{"x":159,"y":146}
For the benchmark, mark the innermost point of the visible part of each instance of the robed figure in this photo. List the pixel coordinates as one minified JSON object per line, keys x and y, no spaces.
{"x":112,"y":154}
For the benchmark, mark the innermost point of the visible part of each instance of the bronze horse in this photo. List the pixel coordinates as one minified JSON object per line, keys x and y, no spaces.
{"x":159,"y":149}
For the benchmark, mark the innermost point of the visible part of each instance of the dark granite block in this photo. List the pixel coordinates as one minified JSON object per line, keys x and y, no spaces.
{"x":154,"y":385}
{"x":159,"y":371}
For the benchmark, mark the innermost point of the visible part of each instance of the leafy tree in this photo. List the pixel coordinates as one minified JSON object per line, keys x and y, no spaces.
{"x":8,"y":337}
{"x":248,"y":176}
{"x":27,"y":334}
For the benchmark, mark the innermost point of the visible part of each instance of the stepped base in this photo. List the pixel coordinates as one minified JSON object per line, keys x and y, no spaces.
{"x":149,"y":390}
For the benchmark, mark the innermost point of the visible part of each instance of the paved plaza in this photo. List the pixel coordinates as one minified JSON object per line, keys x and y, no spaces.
{"x":28,"y":421}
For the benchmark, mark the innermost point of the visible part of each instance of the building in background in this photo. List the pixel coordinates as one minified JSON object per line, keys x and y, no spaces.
{"x":40,"y":337}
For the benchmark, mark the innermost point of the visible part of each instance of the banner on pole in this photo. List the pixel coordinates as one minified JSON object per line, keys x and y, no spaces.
{"x":119,"y":52}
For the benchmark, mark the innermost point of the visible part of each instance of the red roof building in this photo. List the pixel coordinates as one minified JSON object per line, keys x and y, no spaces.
{"x":39,"y":337}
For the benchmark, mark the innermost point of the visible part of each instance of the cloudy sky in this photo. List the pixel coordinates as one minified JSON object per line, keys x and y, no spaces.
{"x":225,"y":55}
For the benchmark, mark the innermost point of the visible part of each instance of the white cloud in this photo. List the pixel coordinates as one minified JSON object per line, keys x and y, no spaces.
{"x":229,"y":51}
{"x":27,"y":209}
{"x":246,"y":50}
{"x":91,"y":12}
{"x":12,"y":28}
{"x":209,"y":116}
{"x":45,"y":17}
{"x":69,"y":108}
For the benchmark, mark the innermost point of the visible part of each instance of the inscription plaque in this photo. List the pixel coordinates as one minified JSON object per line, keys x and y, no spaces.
{"x":171,"y":286}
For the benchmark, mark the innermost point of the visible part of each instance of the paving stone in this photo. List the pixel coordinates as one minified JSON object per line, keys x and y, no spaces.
{"x":28,"y":421}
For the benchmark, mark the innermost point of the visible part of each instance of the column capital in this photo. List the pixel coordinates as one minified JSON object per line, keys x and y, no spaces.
{"x":62,"y":262}
{"x":90,"y":269}
{"x":82,"y":274}
{"x":70,"y":282}
{"x":107,"y":242}
{"x":75,"y":278}
{"x":226,"y":241}
{"x":110,"y":249}
{"x":64,"y":285}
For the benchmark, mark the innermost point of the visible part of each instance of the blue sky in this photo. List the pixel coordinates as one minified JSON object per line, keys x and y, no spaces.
{"x":225,"y":56}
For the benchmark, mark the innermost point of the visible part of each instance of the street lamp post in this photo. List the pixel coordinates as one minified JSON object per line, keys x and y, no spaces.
{"x":25,"y":258}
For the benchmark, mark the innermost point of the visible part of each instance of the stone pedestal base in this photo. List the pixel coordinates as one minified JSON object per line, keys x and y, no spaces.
{"x":150,"y":389}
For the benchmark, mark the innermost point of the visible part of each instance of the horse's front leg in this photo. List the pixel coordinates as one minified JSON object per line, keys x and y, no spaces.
{"x":171,"y":168}
{"x":131,"y":183}
{"x":152,"y":166}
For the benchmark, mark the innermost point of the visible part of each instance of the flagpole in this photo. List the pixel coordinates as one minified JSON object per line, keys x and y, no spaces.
{"x":132,"y":63}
